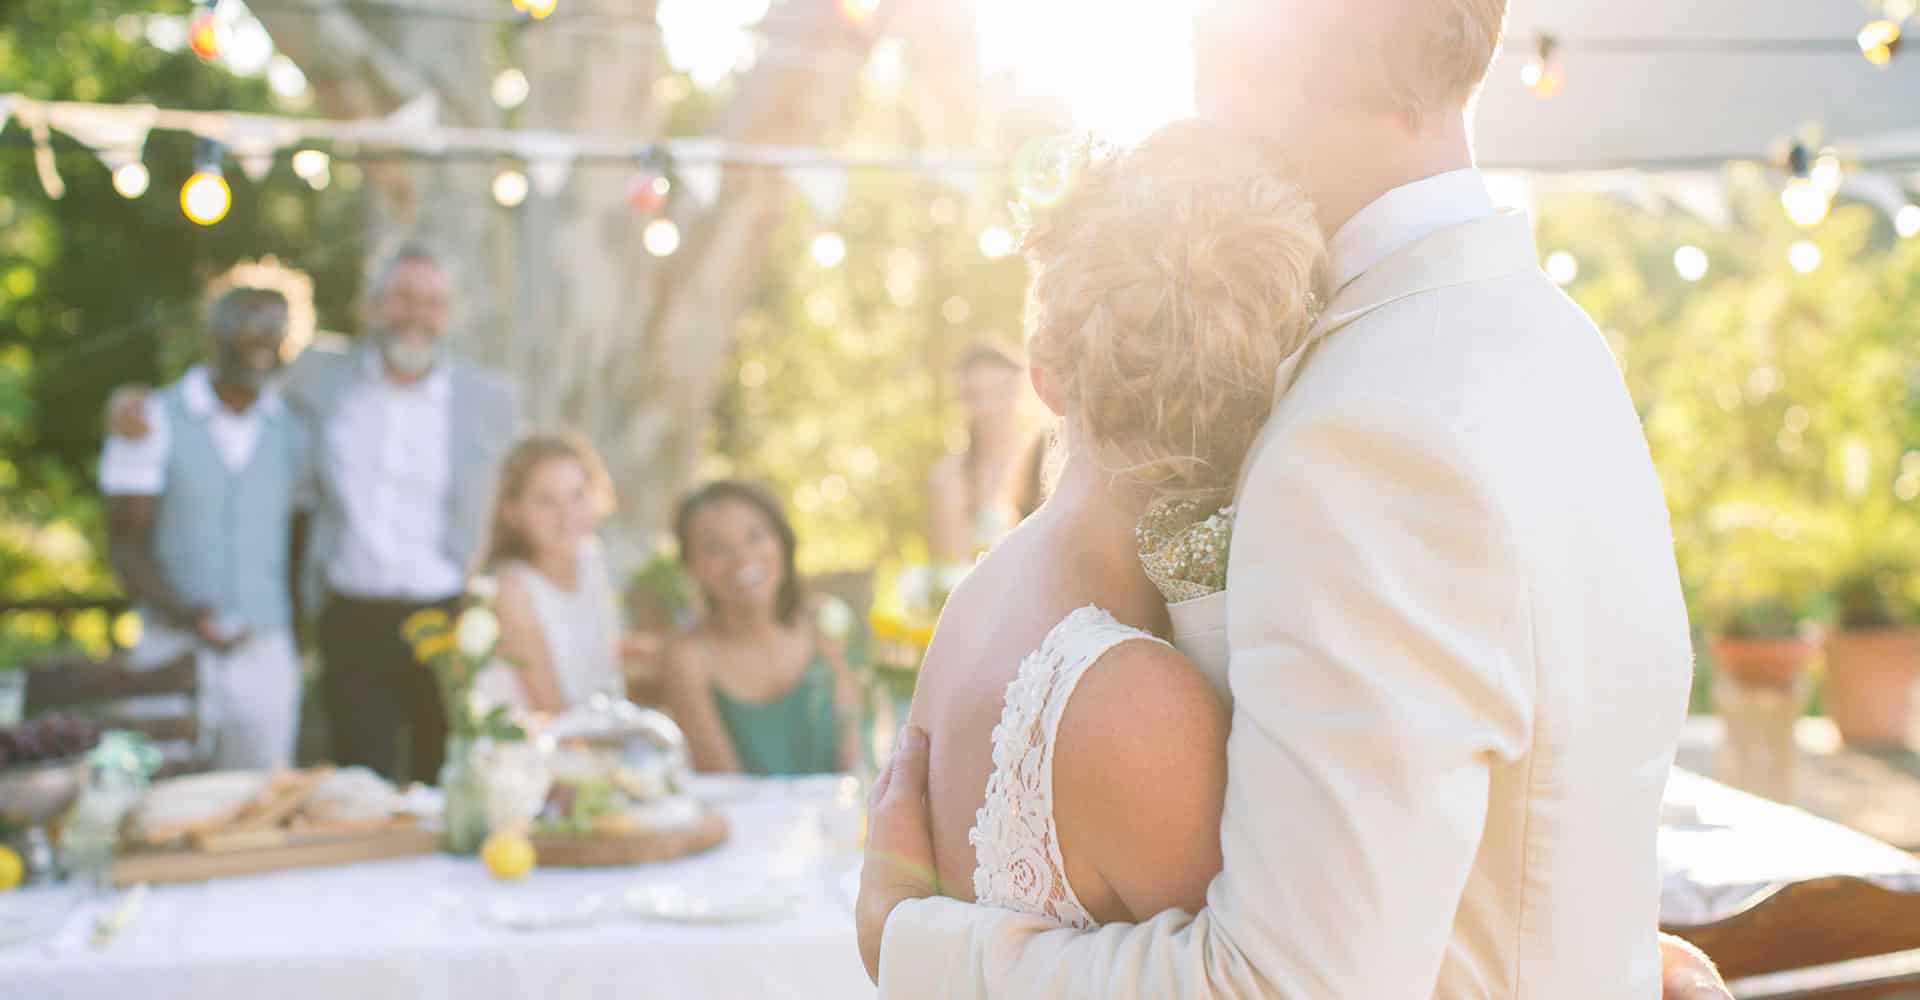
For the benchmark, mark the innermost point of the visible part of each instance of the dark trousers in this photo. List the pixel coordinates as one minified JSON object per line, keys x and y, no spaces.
{"x":379,"y":698}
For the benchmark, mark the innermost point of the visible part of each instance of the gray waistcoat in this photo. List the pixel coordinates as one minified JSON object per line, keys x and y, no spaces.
{"x":221,"y":536}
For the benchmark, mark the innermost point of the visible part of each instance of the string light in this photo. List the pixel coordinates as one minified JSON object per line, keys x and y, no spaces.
{"x":858,"y":11}
{"x":539,"y":10}
{"x":1804,"y":256}
{"x":205,"y":198}
{"x":661,"y":237}
{"x":510,"y":188}
{"x":1691,"y":262}
{"x":1880,"y":41}
{"x":205,"y":33}
{"x":1562,"y":267}
{"x":647,"y":192}
{"x":1906,"y":222}
{"x":1806,"y":200}
{"x":510,"y":88}
{"x":829,"y":250}
{"x":1542,"y":74}
{"x":314,"y":167}
{"x":995,"y":242}
{"x":1826,"y":173}
{"x":131,"y":179}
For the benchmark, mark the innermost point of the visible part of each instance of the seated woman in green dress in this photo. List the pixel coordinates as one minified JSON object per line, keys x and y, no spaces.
{"x":756,"y":686}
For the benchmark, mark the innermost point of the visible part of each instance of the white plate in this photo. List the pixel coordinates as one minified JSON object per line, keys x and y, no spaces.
{"x":727,"y":906}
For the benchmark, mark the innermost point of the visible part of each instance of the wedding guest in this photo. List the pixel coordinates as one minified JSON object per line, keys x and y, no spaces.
{"x":408,"y":436}
{"x":201,"y":522}
{"x":559,"y":615}
{"x":975,"y":497}
{"x":756,"y":686}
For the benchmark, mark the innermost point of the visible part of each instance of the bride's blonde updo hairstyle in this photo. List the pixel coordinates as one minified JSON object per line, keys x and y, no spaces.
{"x":1167,"y":288}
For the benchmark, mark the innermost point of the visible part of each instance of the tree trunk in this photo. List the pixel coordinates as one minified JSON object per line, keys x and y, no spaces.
{"x":603,"y":337}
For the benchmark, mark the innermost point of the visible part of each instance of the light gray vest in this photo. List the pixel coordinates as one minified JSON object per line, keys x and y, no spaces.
{"x":221,"y":536}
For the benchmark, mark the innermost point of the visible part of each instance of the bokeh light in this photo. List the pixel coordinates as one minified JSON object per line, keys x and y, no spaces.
{"x":1804,"y":255}
{"x":1562,"y":267}
{"x":205,"y":198}
{"x":829,"y":249}
{"x":1691,"y":262}
{"x":661,"y":237}
{"x":510,"y":188}
{"x":131,"y":179}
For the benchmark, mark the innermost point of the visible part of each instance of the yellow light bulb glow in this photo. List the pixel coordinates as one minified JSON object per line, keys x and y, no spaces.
{"x":661,"y":237}
{"x":1906,"y":222}
{"x":1879,"y":41}
{"x":858,"y":11}
{"x":206,"y":198}
{"x":1545,"y":79}
{"x":539,"y":10}
{"x":1804,"y":256}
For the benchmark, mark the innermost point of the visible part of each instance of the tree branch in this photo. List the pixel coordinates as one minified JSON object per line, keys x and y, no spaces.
{"x":354,"y":74}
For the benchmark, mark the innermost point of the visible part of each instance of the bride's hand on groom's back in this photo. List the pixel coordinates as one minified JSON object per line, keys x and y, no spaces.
{"x":899,"y":861}
{"x":1687,"y":973}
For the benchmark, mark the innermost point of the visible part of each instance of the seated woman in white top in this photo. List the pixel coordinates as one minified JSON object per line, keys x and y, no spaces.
{"x":559,"y":618}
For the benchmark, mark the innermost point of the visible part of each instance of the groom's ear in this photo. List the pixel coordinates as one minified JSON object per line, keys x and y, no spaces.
{"x":1048,"y":393}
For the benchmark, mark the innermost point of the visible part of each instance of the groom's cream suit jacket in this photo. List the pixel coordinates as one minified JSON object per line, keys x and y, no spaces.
{"x":1458,"y":660}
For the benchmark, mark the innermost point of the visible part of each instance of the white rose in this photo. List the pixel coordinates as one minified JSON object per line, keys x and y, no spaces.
{"x":483,"y":589}
{"x":477,"y":631}
{"x":836,"y":619}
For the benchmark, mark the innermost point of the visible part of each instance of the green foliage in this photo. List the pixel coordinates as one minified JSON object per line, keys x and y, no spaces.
{"x":97,"y":290}
{"x":1879,"y":595}
{"x":1762,"y":618}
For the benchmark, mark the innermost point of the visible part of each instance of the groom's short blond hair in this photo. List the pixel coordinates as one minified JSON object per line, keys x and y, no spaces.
{"x":1415,"y":57}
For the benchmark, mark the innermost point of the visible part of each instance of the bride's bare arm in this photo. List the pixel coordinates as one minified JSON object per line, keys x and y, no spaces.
{"x":1139,"y":776}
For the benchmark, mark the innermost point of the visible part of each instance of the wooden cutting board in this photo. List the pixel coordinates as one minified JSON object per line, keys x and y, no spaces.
{"x":271,"y":852}
{"x":703,"y":834}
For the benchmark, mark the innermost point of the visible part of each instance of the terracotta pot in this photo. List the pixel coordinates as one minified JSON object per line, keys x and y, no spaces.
{"x":1776,"y":663}
{"x":1869,"y":688}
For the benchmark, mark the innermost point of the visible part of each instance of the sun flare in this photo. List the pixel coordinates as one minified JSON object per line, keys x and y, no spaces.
{"x":1122,"y":67}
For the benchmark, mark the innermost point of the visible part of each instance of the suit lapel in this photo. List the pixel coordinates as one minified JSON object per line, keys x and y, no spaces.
{"x":1486,"y":249}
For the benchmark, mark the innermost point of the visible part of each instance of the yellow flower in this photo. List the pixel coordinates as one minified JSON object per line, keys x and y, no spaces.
{"x":423,"y":621}
{"x":886,"y":625}
{"x":434,"y":646}
{"x":920,"y":636}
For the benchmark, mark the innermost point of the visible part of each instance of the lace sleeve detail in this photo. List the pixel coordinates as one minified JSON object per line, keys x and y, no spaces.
{"x":1018,"y":865}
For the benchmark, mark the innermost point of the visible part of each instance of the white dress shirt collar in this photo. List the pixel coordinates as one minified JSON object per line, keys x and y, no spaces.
{"x":196,"y":391}
{"x":1404,"y":216}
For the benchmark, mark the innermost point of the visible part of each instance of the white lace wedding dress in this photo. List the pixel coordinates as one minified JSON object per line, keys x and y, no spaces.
{"x":1016,"y":845}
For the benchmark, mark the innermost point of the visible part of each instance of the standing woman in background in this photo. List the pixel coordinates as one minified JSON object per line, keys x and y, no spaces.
{"x":756,"y":686}
{"x":975,"y":497}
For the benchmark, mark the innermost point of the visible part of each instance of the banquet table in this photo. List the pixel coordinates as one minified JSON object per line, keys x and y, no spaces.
{"x":440,"y":928}
{"x":781,"y":895}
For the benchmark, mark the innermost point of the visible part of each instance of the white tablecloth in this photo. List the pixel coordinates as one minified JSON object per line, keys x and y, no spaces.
{"x":420,"y":928}
{"x":1719,"y":847}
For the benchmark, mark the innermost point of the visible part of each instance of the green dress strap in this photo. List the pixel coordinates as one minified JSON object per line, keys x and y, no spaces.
{"x":796,"y":733}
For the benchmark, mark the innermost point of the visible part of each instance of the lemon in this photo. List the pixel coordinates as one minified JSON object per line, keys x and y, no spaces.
{"x":12,"y":869}
{"x":507,"y":855}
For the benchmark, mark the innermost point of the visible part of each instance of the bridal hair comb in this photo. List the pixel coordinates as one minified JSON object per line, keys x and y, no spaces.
{"x":1184,"y":542}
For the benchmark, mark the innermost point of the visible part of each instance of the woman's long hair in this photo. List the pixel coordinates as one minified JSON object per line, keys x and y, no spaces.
{"x":787,"y":605}
{"x":503,"y":541}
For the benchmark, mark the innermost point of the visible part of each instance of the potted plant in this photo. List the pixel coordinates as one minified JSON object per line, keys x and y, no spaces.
{"x":1764,"y":642}
{"x":1874,"y":653}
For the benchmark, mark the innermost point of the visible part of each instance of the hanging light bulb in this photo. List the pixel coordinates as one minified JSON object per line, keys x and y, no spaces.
{"x":1542,"y":75}
{"x":858,"y":11}
{"x":131,"y":179}
{"x":1906,"y":222}
{"x":647,"y":191}
{"x":539,"y":10}
{"x":309,"y":163}
{"x":1804,"y":255}
{"x":1880,"y":41}
{"x":995,"y":242}
{"x":829,"y":249}
{"x":1562,"y":267}
{"x":1691,"y":262}
{"x":1826,"y":172}
{"x":661,"y":237}
{"x":510,"y":188}
{"x":205,"y":198}
{"x":1805,"y":203}
{"x":510,"y":88}
{"x":205,"y":34}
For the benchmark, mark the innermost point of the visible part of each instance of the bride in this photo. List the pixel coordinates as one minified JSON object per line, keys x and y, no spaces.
{"x":1079,"y":761}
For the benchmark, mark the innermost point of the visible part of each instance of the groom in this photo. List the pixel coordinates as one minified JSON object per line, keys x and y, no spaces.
{"x":1459,"y":656}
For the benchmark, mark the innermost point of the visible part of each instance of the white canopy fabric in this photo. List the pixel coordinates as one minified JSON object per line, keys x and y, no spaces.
{"x":1675,"y":103}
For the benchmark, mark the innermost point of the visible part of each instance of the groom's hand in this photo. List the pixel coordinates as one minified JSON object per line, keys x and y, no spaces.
{"x":1687,"y":973}
{"x":899,"y":864}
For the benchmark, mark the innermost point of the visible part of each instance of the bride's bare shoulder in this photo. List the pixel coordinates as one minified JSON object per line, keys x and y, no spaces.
{"x":1139,"y":774}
